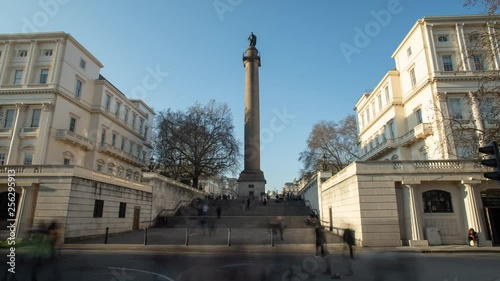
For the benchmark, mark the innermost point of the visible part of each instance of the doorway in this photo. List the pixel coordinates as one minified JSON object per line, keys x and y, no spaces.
{"x":137,"y":215}
{"x":491,"y":203}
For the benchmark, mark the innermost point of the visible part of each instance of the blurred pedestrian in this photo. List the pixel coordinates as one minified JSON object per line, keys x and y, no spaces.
{"x":349,"y":241}
{"x":243,"y":205}
{"x":219,"y":210}
{"x":248,"y":203}
{"x":320,"y":240}
{"x":281,"y":227}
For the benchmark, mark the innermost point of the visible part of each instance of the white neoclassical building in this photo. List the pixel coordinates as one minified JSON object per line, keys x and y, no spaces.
{"x":77,"y":144}
{"x":417,"y":183}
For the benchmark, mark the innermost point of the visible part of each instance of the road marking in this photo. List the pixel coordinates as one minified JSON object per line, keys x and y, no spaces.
{"x":142,"y":271}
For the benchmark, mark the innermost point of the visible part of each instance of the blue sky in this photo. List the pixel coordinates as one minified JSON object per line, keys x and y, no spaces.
{"x":199,"y":43}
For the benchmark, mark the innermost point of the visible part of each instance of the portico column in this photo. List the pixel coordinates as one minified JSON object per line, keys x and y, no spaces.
{"x":26,"y":210}
{"x":478,"y":122}
{"x":33,"y":54}
{"x":414,"y":219}
{"x":494,"y":45}
{"x":44,"y":135}
{"x":4,"y":61}
{"x":14,"y":140}
{"x":472,"y":212}
{"x":432,"y":50}
{"x":461,"y":45}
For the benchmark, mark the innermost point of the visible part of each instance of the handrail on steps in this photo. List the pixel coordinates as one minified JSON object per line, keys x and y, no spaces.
{"x":169,"y":210}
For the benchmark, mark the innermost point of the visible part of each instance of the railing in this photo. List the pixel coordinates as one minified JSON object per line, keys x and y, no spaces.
{"x":21,"y":169}
{"x":5,"y":132}
{"x":380,"y":148}
{"x":171,"y":211}
{"x":120,"y":153}
{"x":422,"y":130}
{"x":408,"y":137}
{"x":28,"y":132}
{"x":72,"y":136}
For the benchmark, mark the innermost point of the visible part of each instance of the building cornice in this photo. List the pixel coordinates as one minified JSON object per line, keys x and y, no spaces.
{"x":129,"y":102}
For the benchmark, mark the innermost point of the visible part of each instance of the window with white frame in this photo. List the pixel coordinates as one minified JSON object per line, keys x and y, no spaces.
{"x":362,"y":120}
{"x":22,"y":53}
{"x":103,"y":136}
{"x":392,"y":131}
{"x":379,"y":98}
{"x":125,"y":117}
{"x":9,"y":118}
{"x":67,"y":161}
{"x":479,"y":62}
{"x":107,"y":101}
{"x":44,"y":75}
{"x":28,"y":158}
{"x":146,"y":129}
{"x":374,"y":110}
{"x":455,"y":105}
{"x":113,"y":139}
{"x":47,"y":52}
{"x":128,"y":174}
{"x":18,"y":77}
{"x":387,"y":97}
{"x":418,"y":115}
{"x":447,"y":62}
{"x":413,"y":78}
{"x":138,"y":152}
{"x":443,"y":38}
{"x":35,"y":117}
{"x":134,"y":116}
{"x":408,"y":51}
{"x":122,"y":145}
{"x":78,"y":88}
{"x":367,"y":115}
{"x":473,"y":39}
{"x":83,"y":64}
{"x":141,"y":123}
{"x":117,"y":108}
{"x":463,"y":152}
{"x":72,"y":124}
{"x":131,"y":148}
{"x":2,"y":158}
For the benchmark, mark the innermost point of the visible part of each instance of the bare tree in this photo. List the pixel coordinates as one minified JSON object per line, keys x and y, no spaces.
{"x":337,"y":142}
{"x":491,"y":6}
{"x":197,"y":142}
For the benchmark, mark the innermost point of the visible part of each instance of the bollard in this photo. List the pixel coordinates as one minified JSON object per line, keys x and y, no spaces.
{"x":145,"y":236}
{"x":106,"y":236}
{"x":229,"y":237}
{"x":272,"y":237}
{"x":187,"y":237}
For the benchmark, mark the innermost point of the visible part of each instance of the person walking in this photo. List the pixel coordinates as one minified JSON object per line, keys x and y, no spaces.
{"x":243,"y":205}
{"x":281,"y":227}
{"x":349,"y":241}
{"x":248,"y":204}
{"x":219,"y":210}
{"x":320,"y":240}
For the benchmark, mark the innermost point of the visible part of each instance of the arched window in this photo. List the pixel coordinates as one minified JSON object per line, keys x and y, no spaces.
{"x":437,"y":201}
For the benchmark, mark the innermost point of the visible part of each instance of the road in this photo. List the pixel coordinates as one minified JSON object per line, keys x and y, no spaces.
{"x":134,"y":266}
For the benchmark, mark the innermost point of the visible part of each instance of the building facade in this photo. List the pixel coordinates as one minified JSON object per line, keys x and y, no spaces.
{"x":76,"y":144}
{"x":422,"y":125}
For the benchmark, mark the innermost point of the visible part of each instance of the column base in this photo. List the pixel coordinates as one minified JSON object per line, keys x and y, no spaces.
{"x":418,"y":243}
{"x":251,"y":183}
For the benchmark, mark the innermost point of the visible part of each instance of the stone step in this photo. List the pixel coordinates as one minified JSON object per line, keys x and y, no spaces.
{"x":234,"y":221}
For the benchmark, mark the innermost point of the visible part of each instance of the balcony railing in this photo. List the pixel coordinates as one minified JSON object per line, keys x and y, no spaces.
{"x":423,"y":130}
{"x":5,"y":133}
{"x":74,"y":138}
{"x":28,"y":133}
{"x":380,"y":149}
{"x":117,"y":152}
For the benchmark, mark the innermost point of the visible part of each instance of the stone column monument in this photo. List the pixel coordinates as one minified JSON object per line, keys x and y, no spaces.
{"x":251,"y":181}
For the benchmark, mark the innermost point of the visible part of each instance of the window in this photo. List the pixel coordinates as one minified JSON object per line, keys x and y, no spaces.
{"x":455,"y":108}
{"x":479,"y":62}
{"x":144,"y":156}
{"x":125,"y":118}
{"x":117,"y":109}
{"x":387,"y":98}
{"x":99,"y":167}
{"x":72,"y":124}
{"x":103,"y":136}
{"x":122,"y":146}
{"x":2,"y":158}
{"x":362,"y":120}
{"x":250,"y":186}
{"x":413,"y":79}
{"x":443,"y":38}
{"x":47,"y":53}
{"x":418,"y":114}
{"x":35,"y":118}
{"x":374,"y":109}
{"x":408,"y":51}
{"x":98,"y":208}
{"x":9,"y":118}
{"x":113,"y":139}
{"x":83,"y":63}
{"x":107,"y":102}
{"x":392,"y":130}
{"x":131,"y":148}
{"x":28,"y":158}
{"x":67,"y":161}
{"x":128,"y":174}
{"x":110,"y":170}
{"x":367,"y":115}
{"x":123,"y":208}
{"x":22,"y":53}
{"x":146,"y":129}
{"x":463,"y":152}
{"x":141,"y":122}
{"x":44,"y":74}
{"x":473,"y":39}
{"x":447,"y":63}
{"x":18,"y":76}
{"x":437,"y":201}
{"x":138,"y":152}
{"x":379,"y":98}
{"x":133,"y":120}
{"x":78,"y":88}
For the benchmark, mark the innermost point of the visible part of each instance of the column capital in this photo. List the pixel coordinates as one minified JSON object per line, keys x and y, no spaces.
{"x":471,"y":182}
{"x":48,"y":106}
{"x":21,"y":106}
{"x":410,"y":183}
